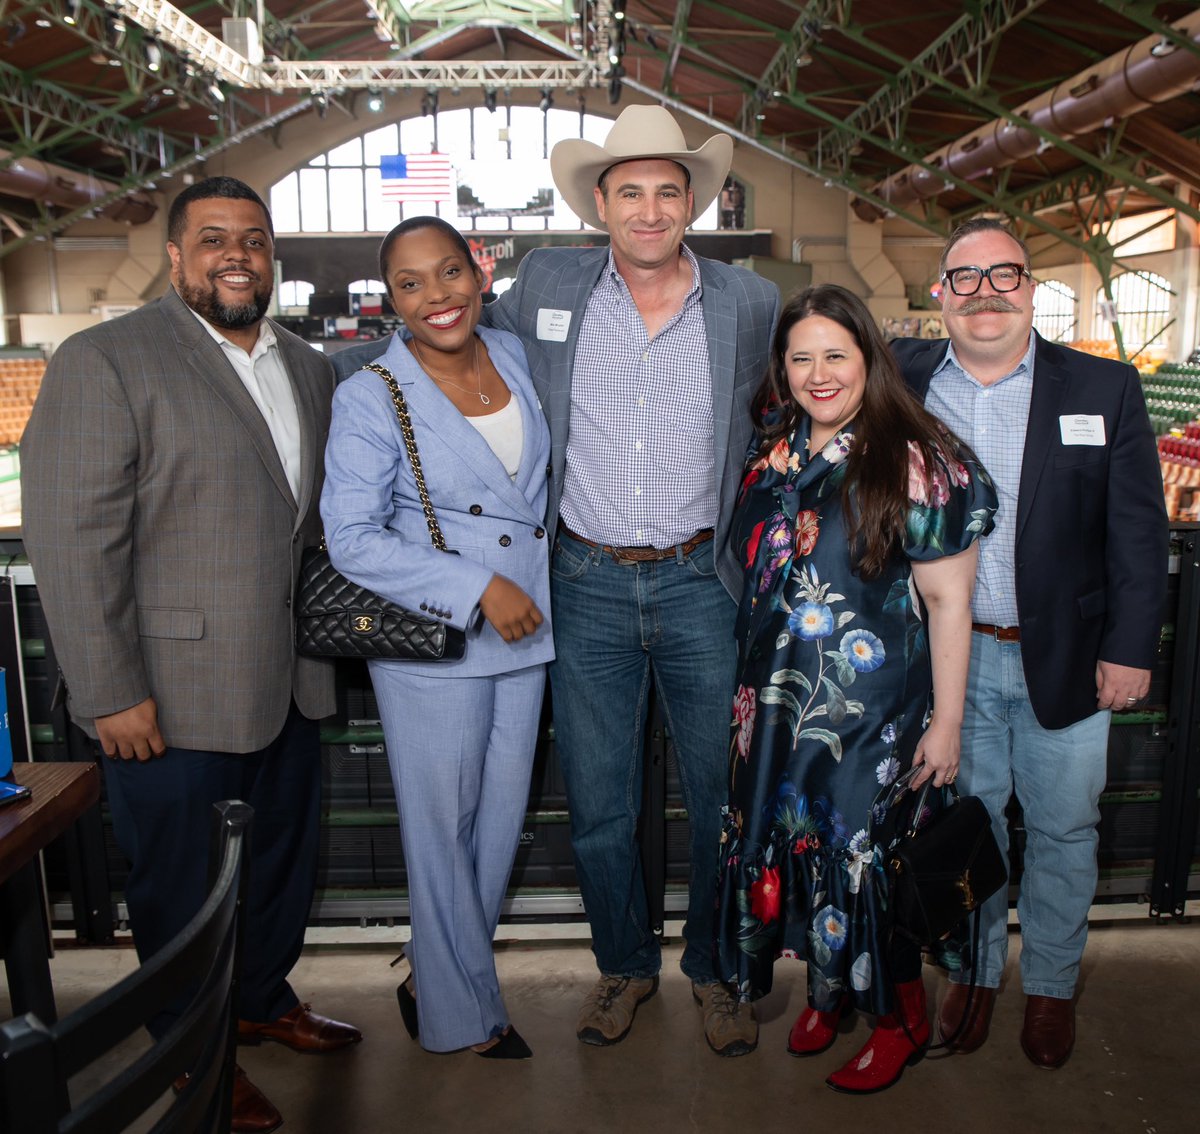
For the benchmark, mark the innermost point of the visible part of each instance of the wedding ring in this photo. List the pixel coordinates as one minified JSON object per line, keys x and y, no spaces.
{"x":1131,"y":700}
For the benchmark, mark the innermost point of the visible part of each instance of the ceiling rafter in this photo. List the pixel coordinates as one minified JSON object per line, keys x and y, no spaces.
{"x":131,"y":184}
{"x":77,"y":115}
{"x":678,"y":34}
{"x":963,"y":40}
{"x":794,"y":158}
{"x":781,"y":71}
{"x":330,"y":75}
{"x":912,"y":156}
{"x":997,"y":109}
{"x":1143,"y":14}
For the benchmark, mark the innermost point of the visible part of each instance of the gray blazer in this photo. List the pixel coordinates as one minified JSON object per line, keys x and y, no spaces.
{"x":164,"y":535}
{"x":740,"y":311}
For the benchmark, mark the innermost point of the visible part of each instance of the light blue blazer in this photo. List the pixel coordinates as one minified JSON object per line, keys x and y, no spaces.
{"x":375,"y":527}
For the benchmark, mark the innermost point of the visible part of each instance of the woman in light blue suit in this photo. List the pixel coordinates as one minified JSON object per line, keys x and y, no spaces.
{"x":460,"y":734}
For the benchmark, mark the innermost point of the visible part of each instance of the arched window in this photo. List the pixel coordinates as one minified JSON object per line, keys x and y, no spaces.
{"x":1054,"y":311}
{"x":499,"y":175}
{"x":295,"y":293}
{"x":367,"y":287}
{"x":1142,"y":303}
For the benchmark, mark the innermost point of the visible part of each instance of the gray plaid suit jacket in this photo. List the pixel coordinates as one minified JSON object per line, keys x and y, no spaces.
{"x":740,"y":312}
{"x":163,"y":533}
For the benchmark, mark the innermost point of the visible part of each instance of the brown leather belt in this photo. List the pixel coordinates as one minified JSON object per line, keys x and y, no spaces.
{"x":1000,"y":633}
{"x":644,"y":554}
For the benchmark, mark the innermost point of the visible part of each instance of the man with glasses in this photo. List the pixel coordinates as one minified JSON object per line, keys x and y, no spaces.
{"x":1068,"y":606}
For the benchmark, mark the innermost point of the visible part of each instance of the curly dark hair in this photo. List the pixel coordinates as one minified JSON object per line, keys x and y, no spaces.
{"x":875,"y":490}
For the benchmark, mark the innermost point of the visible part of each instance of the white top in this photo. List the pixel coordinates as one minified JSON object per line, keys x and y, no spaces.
{"x":504,"y":431}
{"x":265,"y":377}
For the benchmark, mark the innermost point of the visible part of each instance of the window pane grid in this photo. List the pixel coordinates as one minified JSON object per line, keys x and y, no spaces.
{"x":1054,"y":311}
{"x":505,"y":154}
{"x":1143,"y":305}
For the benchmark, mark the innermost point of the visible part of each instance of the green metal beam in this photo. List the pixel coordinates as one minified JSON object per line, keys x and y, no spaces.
{"x":678,"y":34}
{"x":798,"y":42}
{"x":796,"y":159}
{"x":149,"y":179}
{"x":1143,"y":14}
{"x":79,"y":115}
{"x":910,"y":155}
{"x":965,"y":39}
{"x":986,"y":101}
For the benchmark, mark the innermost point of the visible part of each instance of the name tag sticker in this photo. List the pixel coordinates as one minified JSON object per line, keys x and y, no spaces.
{"x":552,"y":324}
{"x":1081,"y":429}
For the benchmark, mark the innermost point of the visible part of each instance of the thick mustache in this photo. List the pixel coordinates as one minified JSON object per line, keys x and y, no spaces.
{"x":987,"y":303}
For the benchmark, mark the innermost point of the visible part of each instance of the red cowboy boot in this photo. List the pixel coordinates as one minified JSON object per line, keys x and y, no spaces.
{"x":889,"y":1050}
{"x":814,"y":1032}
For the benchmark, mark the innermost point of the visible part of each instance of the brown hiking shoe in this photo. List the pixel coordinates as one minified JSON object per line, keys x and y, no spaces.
{"x":607,"y":1013}
{"x":729,"y":1025}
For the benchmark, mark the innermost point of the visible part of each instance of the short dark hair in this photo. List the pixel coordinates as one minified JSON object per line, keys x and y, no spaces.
{"x":602,"y":181}
{"x":975,"y":226}
{"x":229,"y":188}
{"x":413,"y":224}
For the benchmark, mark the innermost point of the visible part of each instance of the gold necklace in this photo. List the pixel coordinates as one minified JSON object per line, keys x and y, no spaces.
{"x":458,"y":386}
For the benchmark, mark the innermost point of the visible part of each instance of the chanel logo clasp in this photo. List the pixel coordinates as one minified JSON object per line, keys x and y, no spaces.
{"x":363,"y":623}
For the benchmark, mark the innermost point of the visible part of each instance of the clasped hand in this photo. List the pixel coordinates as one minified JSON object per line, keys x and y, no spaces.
{"x":132,"y":734}
{"x":509,"y":609}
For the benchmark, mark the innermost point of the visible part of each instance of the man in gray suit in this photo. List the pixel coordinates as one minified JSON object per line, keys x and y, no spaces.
{"x":645,"y":358}
{"x":171,"y":477}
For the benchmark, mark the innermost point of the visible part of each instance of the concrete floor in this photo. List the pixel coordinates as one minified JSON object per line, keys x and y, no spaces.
{"x":1134,"y":1068}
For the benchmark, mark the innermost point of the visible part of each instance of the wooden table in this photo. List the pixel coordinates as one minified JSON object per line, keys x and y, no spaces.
{"x":62,"y":792}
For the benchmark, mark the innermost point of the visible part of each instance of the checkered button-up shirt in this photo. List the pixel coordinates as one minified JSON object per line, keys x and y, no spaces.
{"x":640,"y":449}
{"x":992,"y":419}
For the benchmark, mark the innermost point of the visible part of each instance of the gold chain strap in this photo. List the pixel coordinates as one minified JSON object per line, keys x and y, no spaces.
{"x":410,"y":443}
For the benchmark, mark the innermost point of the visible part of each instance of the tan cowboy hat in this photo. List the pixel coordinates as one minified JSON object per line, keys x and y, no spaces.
{"x":640,"y":132}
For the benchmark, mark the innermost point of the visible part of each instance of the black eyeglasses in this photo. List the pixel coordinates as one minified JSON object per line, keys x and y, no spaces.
{"x":1003,"y":277}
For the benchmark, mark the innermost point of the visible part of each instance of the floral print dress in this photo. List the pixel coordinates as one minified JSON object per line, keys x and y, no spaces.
{"x":834,"y":689}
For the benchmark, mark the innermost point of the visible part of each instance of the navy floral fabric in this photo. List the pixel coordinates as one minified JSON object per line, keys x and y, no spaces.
{"x":834,"y":690}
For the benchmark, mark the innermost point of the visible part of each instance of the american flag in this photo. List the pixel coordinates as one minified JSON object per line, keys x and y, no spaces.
{"x":416,"y":177}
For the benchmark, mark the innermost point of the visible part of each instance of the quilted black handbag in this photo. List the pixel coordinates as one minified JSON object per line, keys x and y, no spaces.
{"x":336,"y":618}
{"x":942,"y":863}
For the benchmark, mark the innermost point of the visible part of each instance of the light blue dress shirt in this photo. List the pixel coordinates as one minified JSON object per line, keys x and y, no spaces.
{"x":992,"y":419}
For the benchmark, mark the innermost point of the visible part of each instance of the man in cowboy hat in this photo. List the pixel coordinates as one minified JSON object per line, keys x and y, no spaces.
{"x":645,"y":358}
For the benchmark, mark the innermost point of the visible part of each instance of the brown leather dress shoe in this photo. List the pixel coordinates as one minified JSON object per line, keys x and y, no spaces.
{"x":302,"y":1030}
{"x":1049,"y":1031}
{"x":972,"y":1037}
{"x":253,"y":1112}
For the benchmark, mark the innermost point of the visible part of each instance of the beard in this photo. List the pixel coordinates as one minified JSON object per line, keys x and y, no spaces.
{"x":206,"y":302}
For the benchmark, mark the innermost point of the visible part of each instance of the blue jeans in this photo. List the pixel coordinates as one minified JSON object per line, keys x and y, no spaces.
{"x":615,"y":624}
{"x":1058,"y":776}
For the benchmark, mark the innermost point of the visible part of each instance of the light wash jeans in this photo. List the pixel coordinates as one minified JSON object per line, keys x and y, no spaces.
{"x":615,"y":624}
{"x":1058,"y":775}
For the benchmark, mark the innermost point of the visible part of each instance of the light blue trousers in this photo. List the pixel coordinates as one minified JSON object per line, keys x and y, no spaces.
{"x":1058,"y":775}
{"x":461,"y":752}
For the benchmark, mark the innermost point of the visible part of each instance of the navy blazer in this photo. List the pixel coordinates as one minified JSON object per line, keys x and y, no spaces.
{"x":1091,"y":538}
{"x":740,"y":312}
{"x":375,"y":525}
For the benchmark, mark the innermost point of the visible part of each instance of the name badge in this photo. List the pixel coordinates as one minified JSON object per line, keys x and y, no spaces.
{"x":1081,"y":429}
{"x":552,"y":324}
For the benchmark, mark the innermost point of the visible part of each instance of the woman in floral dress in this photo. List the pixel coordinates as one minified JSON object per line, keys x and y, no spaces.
{"x":856,"y":525}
